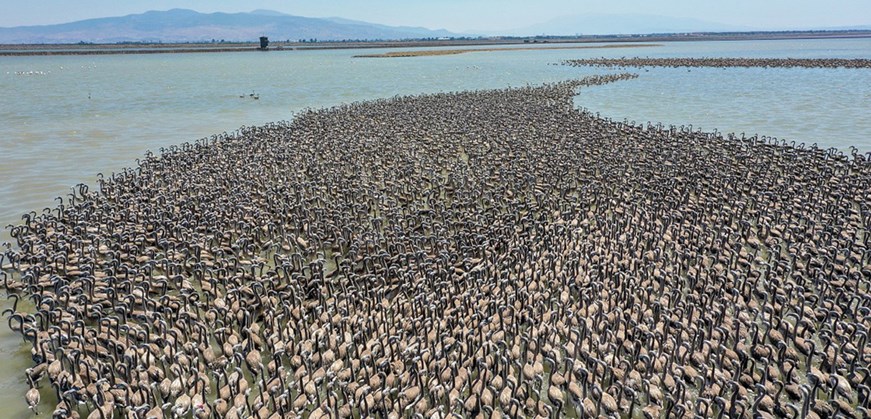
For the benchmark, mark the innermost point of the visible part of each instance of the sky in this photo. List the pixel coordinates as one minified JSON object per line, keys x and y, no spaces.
{"x":469,"y":15}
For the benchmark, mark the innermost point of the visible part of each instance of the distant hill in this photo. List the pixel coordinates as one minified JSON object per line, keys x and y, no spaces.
{"x":181,"y":25}
{"x":595,"y":24}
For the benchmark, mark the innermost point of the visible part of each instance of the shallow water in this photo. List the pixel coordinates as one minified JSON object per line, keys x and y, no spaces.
{"x":63,"y":119}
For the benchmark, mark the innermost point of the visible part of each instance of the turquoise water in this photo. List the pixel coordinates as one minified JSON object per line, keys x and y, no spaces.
{"x":65,"y":119}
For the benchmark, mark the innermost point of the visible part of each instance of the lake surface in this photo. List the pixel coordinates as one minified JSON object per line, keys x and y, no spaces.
{"x":63,"y":119}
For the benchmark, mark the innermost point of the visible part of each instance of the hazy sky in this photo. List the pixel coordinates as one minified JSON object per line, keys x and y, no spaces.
{"x":468,"y":15}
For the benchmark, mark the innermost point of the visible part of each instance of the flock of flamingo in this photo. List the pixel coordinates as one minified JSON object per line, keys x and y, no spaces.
{"x":723,"y":62}
{"x":486,"y":254}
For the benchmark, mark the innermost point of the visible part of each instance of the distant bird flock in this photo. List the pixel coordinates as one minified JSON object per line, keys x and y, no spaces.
{"x":638,"y":62}
{"x":487,"y":254}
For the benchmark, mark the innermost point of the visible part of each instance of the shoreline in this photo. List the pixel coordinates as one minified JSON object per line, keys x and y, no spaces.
{"x":19,"y":50}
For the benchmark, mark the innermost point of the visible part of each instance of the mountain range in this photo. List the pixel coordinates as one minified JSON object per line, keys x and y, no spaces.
{"x":181,"y":25}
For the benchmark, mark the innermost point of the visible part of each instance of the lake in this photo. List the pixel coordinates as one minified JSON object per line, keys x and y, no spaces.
{"x":67,"y":118}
